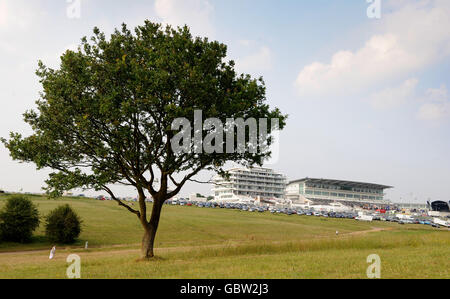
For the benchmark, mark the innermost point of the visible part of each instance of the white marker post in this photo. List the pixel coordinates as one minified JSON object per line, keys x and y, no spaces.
{"x":52,"y":253}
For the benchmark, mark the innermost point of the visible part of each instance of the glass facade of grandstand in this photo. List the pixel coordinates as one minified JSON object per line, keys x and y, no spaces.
{"x":250,"y":183}
{"x":335,"y":190}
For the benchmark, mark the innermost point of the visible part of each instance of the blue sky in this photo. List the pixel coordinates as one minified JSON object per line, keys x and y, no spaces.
{"x":368,"y":98}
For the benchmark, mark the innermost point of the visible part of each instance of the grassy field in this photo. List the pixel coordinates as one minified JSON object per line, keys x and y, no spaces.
{"x":217,"y":243}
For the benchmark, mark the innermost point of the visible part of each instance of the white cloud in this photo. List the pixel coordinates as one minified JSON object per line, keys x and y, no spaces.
{"x":259,"y":61}
{"x":17,"y":14}
{"x":437,"y":94}
{"x":197,"y":14}
{"x":393,"y":97}
{"x":412,"y":37}
{"x":434,"y":105}
{"x":17,"y":17}
{"x":3,"y":13}
{"x":434,"y":111}
{"x":245,"y":42}
{"x":437,"y":106}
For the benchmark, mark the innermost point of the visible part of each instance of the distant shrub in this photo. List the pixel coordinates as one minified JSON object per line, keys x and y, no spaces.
{"x":18,"y":220}
{"x":63,"y":225}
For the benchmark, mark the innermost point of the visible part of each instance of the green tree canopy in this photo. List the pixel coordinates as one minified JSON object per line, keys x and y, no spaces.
{"x":105,"y":115}
{"x":62,"y":225}
{"x":18,"y":219}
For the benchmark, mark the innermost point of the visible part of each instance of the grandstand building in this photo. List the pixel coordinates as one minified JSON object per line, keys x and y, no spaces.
{"x":324,"y":191}
{"x":440,"y":206}
{"x":250,"y":184}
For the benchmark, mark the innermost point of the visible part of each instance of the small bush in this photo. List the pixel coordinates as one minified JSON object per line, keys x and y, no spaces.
{"x":63,"y":225}
{"x":18,"y":220}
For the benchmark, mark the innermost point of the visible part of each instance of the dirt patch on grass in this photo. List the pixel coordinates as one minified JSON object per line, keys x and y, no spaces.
{"x":134,"y":248}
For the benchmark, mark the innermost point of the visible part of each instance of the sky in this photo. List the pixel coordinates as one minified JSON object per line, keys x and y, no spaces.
{"x":366,"y":87}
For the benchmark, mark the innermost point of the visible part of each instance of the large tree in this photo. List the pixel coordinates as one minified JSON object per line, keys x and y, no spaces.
{"x":106,"y":115}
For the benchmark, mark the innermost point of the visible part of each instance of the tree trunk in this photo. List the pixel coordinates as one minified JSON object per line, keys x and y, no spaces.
{"x":148,"y":240}
{"x":148,"y":243}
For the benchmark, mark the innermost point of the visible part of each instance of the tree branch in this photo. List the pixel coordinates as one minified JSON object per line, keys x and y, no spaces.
{"x":121,"y":203}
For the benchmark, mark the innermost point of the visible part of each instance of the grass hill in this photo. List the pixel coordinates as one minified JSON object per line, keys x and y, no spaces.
{"x":218,"y":243}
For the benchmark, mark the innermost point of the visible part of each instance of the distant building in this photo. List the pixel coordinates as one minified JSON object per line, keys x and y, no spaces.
{"x":324,"y":191}
{"x":250,"y":184}
{"x":412,"y":206}
{"x":440,"y":206}
{"x":196,"y":198}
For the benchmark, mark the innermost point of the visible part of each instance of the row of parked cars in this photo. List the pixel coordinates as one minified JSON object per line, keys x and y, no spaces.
{"x":413,"y":221}
{"x":261,"y":209}
{"x":300,"y":212}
